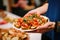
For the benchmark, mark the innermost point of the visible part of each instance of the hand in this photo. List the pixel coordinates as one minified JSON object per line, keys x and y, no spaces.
{"x":47,"y":27}
{"x":39,"y":10}
{"x":35,"y":11}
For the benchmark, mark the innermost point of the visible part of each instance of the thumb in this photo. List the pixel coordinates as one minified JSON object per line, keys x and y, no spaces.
{"x":52,"y":25}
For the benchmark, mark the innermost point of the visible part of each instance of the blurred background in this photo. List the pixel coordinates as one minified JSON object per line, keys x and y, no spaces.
{"x":20,"y":7}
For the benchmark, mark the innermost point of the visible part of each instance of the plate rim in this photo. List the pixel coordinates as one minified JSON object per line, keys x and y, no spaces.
{"x":30,"y":29}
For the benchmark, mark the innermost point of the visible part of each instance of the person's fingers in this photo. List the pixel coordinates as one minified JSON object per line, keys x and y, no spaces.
{"x":32,"y":12}
{"x":26,"y":15}
{"x":43,"y":29}
{"x":47,"y":25}
{"x":29,"y":13}
{"x":52,"y":26}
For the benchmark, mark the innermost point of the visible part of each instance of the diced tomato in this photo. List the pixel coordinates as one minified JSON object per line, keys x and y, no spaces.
{"x":35,"y":19}
{"x":18,"y":24}
{"x":36,"y":23}
{"x":25,"y":25}
{"x":20,"y":19}
{"x":31,"y":22}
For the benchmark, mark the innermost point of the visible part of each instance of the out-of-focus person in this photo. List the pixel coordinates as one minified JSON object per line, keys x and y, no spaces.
{"x":52,"y":11}
{"x":21,"y":7}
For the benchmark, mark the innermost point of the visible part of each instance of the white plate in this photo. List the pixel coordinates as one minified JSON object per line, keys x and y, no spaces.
{"x":22,"y":29}
{"x":6,"y":26}
{"x":30,"y":29}
{"x":35,"y":36}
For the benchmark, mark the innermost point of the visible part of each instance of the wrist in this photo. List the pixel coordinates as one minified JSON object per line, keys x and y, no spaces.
{"x":57,"y":27}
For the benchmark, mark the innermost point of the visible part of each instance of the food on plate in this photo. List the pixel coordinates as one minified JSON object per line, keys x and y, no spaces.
{"x":31,"y":21}
{"x":12,"y":34}
{"x":8,"y":19}
{"x":3,"y":22}
{"x":2,"y":14}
